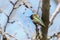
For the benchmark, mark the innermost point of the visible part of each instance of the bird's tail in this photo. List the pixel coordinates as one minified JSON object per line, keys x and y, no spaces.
{"x":42,"y":23}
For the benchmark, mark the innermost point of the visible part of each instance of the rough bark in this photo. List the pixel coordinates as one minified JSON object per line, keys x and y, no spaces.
{"x":45,"y":18}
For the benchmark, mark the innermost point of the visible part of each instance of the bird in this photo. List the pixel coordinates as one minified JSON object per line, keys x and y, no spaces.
{"x":37,"y":20}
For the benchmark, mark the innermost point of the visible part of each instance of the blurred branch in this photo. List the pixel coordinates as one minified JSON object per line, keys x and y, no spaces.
{"x":1,"y":10}
{"x":0,"y":30}
{"x":38,"y":7}
{"x":13,"y":6}
{"x":4,"y":35}
{"x":1,"y":37}
{"x":10,"y":13}
{"x":54,"y":35}
{"x":55,"y":14}
{"x":26,"y":4}
{"x":13,"y":36}
{"x":37,"y":33}
{"x":49,"y":37}
{"x":21,"y":25}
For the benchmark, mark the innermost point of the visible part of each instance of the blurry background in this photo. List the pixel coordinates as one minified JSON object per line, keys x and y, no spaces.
{"x":23,"y":25}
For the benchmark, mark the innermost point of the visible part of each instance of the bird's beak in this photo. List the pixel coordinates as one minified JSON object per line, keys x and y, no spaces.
{"x":31,"y":16}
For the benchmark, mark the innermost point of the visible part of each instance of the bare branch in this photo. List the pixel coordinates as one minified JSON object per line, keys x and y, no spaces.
{"x":12,"y":36}
{"x":1,"y":10}
{"x":21,"y":25}
{"x":1,"y":37}
{"x":54,"y":35}
{"x":55,"y":14}
{"x":26,"y":4}
{"x":10,"y":13}
{"x":38,"y":6}
{"x":49,"y":37}
{"x":0,"y":30}
{"x":11,"y":2}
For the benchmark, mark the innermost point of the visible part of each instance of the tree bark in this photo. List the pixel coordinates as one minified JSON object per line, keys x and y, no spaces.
{"x":45,"y":18}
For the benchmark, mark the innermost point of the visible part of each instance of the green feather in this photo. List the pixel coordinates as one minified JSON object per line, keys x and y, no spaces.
{"x":36,"y":19}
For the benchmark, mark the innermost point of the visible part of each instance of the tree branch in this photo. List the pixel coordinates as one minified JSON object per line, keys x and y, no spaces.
{"x":45,"y":18}
{"x":1,"y":10}
{"x":55,"y":14}
{"x":38,"y":7}
{"x":10,"y":13}
{"x":5,"y":33}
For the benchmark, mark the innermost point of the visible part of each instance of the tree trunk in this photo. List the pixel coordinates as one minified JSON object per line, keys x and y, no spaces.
{"x":45,"y":18}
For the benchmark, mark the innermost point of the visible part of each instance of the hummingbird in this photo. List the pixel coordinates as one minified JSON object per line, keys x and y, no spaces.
{"x":37,"y":19}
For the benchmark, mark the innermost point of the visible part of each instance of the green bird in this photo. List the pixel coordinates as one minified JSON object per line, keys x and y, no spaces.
{"x":37,"y":20}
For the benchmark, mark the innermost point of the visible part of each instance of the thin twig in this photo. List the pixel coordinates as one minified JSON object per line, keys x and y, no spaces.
{"x":55,"y":14}
{"x":11,"y":36}
{"x":10,"y":13}
{"x":38,"y":7}
{"x":20,"y":24}
{"x":1,"y":10}
{"x":26,"y":4}
{"x":5,"y":33}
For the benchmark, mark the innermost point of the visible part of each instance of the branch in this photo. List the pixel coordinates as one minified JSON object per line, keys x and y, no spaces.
{"x":55,"y":14}
{"x":54,"y":35}
{"x":38,"y":7}
{"x":10,"y":13}
{"x":21,"y":25}
{"x":26,"y":4}
{"x":13,"y":36}
{"x":45,"y":18}
{"x":1,"y":10}
{"x":49,"y":37}
{"x":1,"y":37}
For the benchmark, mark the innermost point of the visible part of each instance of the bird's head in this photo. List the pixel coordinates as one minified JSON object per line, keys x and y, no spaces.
{"x":34,"y":15}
